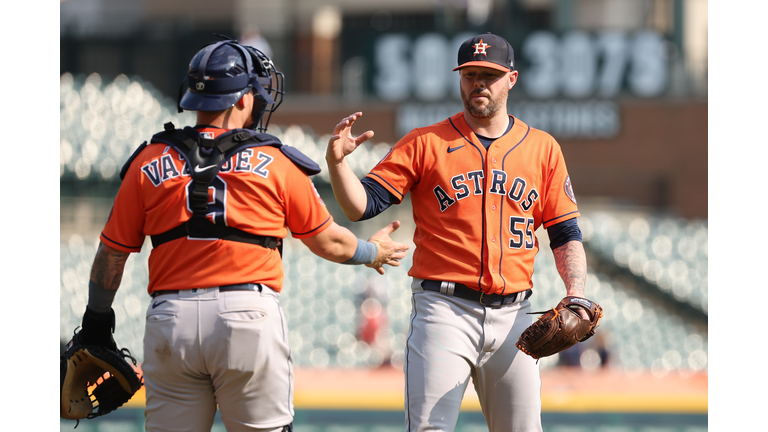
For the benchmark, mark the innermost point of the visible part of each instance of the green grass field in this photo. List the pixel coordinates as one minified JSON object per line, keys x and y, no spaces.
{"x":132,"y":420}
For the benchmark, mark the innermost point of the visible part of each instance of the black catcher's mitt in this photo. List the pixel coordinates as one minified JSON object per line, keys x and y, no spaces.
{"x":560,"y":328}
{"x":95,"y":378}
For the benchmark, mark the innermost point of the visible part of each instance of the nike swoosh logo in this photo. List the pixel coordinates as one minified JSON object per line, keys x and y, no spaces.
{"x":198,"y":169}
{"x":156,"y":304}
{"x":453,"y":149}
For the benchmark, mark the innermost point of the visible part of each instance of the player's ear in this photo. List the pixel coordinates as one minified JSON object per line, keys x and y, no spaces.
{"x":241,"y":102}
{"x":245,"y":100}
{"x":512,"y":79}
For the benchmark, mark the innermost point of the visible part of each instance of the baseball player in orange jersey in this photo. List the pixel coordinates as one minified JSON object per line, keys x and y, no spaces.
{"x":215,"y":333}
{"x":481,"y":183}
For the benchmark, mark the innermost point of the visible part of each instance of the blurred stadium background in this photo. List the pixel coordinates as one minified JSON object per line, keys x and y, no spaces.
{"x":622,"y":85}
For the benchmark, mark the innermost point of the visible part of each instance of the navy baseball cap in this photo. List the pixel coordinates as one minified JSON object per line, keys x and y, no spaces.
{"x":487,"y":50}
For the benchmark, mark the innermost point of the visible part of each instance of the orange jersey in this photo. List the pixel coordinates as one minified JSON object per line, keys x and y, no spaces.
{"x":258,"y":190}
{"x":476,"y":210}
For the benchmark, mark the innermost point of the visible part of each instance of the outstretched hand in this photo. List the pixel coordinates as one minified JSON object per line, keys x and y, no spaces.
{"x":342,"y":142}
{"x":390,"y":251}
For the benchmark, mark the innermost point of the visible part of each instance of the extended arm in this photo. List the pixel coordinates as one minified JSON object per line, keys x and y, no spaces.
{"x":339,"y":245}
{"x":347,"y":189}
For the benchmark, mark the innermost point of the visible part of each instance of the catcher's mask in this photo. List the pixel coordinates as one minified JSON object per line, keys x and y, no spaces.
{"x":222,"y":72}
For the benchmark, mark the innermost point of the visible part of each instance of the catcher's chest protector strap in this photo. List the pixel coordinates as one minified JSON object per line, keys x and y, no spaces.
{"x":204,"y":159}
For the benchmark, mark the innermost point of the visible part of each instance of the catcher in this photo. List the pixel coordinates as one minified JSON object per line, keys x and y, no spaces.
{"x":216,"y":201}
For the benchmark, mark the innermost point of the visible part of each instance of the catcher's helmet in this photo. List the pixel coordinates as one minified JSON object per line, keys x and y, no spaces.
{"x":222,"y":72}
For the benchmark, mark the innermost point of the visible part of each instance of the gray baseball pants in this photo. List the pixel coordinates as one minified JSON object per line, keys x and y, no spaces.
{"x":452,"y":340}
{"x":205,"y":348}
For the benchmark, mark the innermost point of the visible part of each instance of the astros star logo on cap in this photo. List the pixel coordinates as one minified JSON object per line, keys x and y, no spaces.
{"x":480,"y":48}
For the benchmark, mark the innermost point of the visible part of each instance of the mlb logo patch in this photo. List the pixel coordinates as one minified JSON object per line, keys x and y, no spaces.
{"x":207,"y":135}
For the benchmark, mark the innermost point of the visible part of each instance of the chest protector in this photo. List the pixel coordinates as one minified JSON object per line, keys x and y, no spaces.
{"x":204,"y":159}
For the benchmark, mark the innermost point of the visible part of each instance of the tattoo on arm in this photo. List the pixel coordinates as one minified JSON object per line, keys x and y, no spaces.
{"x":571,"y":262}
{"x":107,"y":270}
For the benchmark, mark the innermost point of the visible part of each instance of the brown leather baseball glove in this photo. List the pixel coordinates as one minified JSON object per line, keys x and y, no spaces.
{"x":96,"y":379}
{"x":560,"y":328}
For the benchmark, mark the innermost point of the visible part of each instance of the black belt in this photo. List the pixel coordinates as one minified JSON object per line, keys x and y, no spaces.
{"x":467,"y":293}
{"x":236,"y":287}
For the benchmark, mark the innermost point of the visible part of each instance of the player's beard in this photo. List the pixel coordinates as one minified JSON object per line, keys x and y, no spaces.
{"x":249,"y":121}
{"x":484,"y":111}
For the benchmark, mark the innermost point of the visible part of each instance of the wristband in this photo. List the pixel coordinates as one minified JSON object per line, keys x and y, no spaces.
{"x":100,"y":299}
{"x":365,"y":253}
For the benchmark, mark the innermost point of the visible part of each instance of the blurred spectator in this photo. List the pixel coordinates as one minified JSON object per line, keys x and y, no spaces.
{"x":373,"y":320}
{"x":590,"y":354}
{"x":374,"y":323}
{"x":251,"y":36}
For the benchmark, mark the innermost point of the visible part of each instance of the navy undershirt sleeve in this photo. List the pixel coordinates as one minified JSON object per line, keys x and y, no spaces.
{"x":563,"y":232}
{"x":379,"y":198}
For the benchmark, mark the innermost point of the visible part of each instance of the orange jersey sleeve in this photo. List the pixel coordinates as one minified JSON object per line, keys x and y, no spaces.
{"x":258,"y":190}
{"x":476,"y":210}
